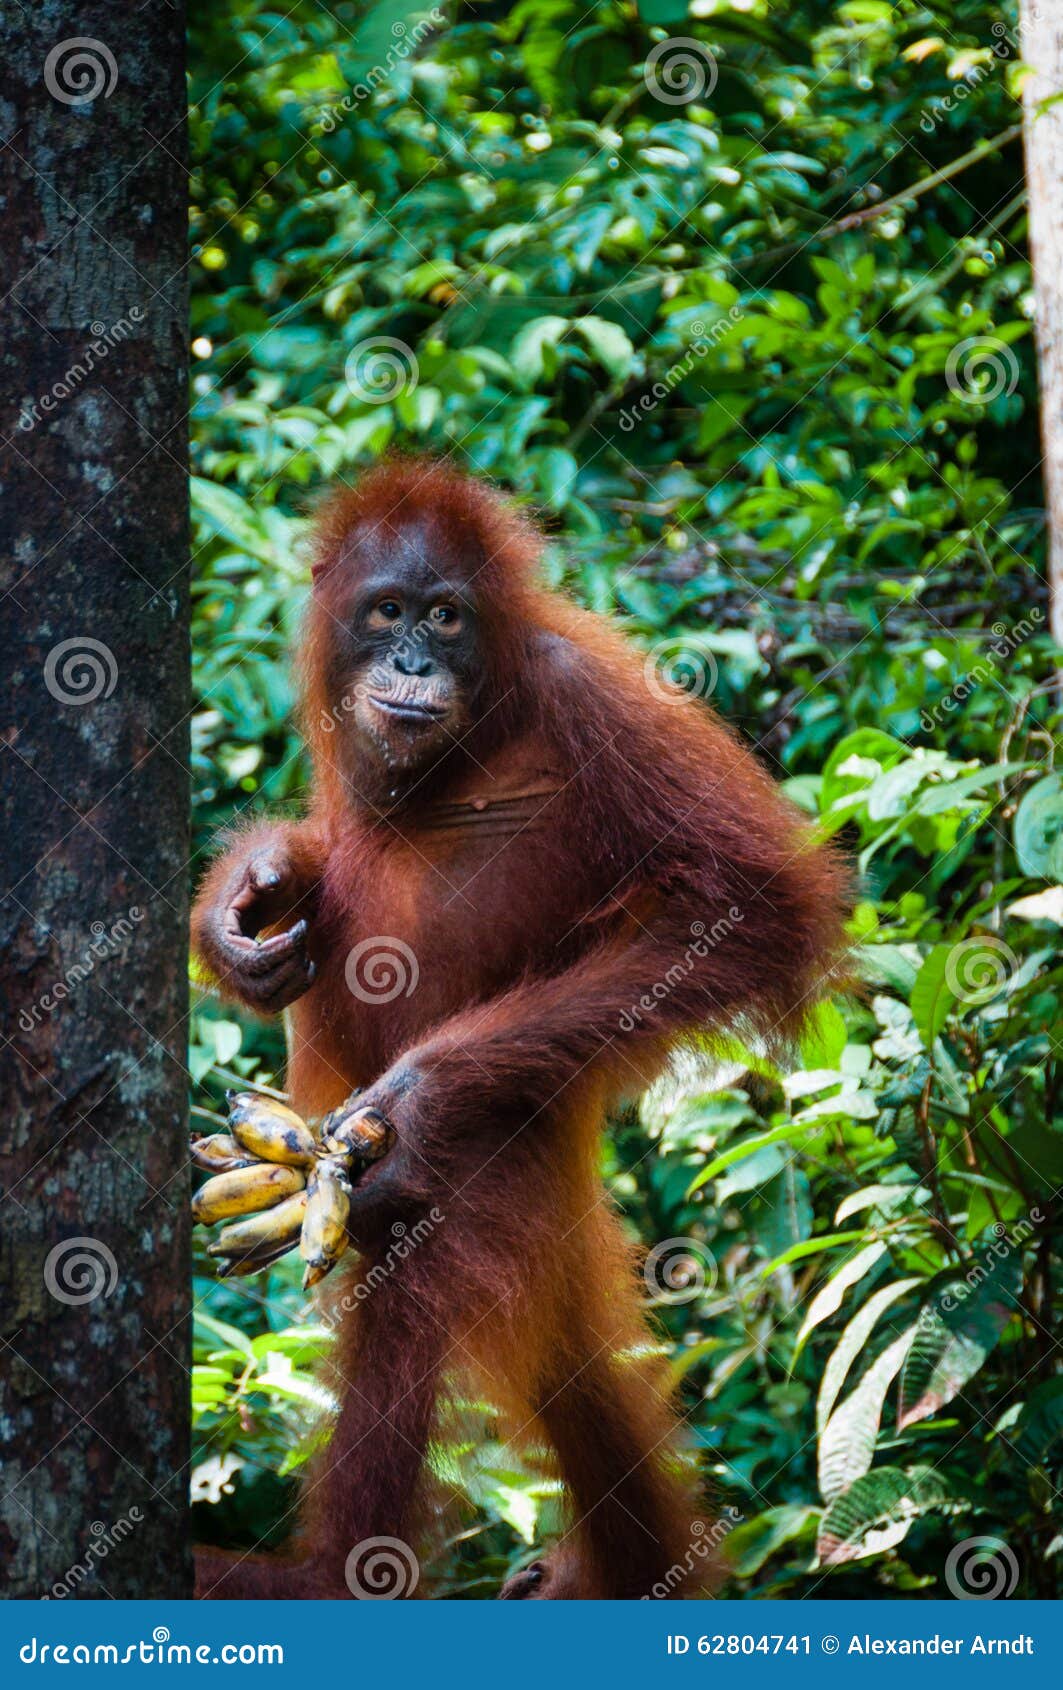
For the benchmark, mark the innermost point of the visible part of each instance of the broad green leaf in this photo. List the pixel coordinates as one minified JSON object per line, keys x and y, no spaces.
{"x":531,"y":343}
{"x":789,"y":1134}
{"x":956,"y":1330}
{"x":875,"y":1513}
{"x":851,"y":1344}
{"x":1038,"y":829}
{"x":609,"y":343}
{"x":847,"y":1441}
{"x":932,"y":995}
{"x":888,"y":1197}
{"x":825,"y":1039}
{"x":829,"y":1298}
{"x":781,"y":1214}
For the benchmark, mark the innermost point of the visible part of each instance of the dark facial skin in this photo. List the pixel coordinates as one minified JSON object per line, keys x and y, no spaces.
{"x":408,"y":660}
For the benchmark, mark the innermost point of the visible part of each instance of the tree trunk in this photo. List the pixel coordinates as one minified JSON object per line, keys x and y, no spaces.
{"x":1041,"y":44}
{"x":94,"y":1278}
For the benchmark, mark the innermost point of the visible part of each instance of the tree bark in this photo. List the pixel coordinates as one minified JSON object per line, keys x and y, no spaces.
{"x":94,"y":1278}
{"x":1041,"y":45}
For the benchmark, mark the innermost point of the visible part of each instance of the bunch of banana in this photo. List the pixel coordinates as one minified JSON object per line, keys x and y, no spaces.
{"x":293,"y":1184}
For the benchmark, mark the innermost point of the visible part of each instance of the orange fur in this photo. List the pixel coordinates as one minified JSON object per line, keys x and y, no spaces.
{"x":547,"y":872}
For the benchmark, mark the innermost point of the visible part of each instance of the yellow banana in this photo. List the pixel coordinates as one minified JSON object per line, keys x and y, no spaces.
{"x":245,"y":1191}
{"x":219,"y":1154}
{"x":365,"y":1133}
{"x":324,"y":1237}
{"x":277,"y":1229}
{"x":270,"y":1130}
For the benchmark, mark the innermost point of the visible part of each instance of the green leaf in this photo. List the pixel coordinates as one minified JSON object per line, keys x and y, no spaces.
{"x":932,"y":995}
{"x":828,"y":1299}
{"x":852,"y":1342}
{"x":847,"y":1441}
{"x":1038,"y":829}
{"x":825,"y":1039}
{"x":956,"y":1330}
{"x":793,"y":1131}
{"x":887,"y":965}
{"x":226,"y":513}
{"x":609,"y":343}
{"x":530,"y":346}
{"x":875,"y":1513}
{"x":752,"y":1171}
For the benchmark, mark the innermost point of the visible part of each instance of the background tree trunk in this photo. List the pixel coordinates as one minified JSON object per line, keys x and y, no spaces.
{"x":1041,"y":38}
{"x":94,"y":1282}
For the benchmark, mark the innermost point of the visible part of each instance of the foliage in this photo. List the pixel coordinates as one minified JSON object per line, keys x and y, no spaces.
{"x":801,"y":461}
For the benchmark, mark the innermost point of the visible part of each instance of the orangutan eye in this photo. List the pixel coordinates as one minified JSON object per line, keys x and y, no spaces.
{"x":444,"y":616}
{"x":386,"y":613}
